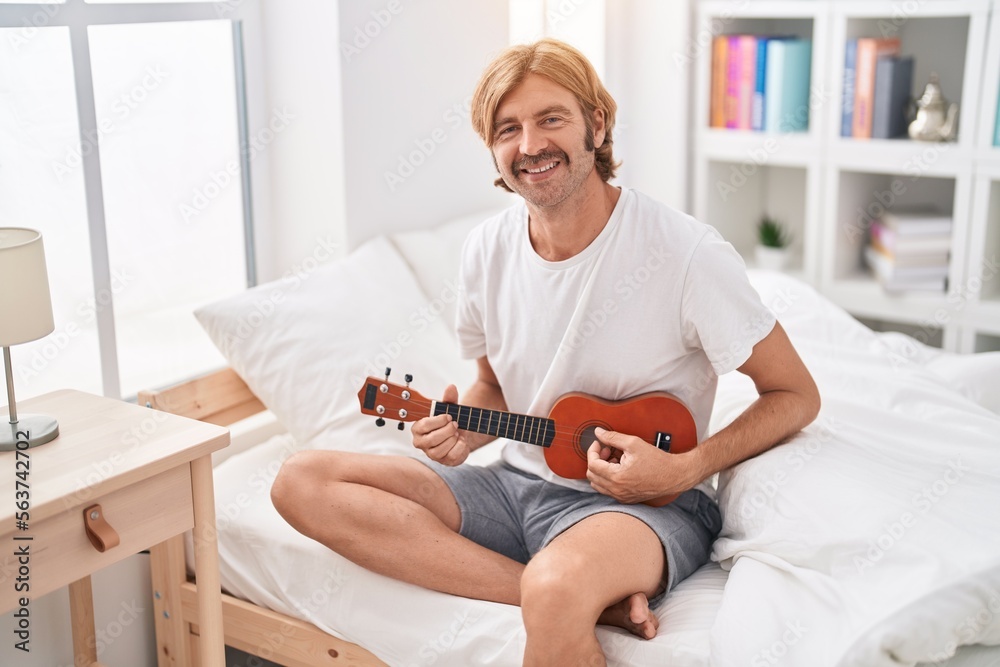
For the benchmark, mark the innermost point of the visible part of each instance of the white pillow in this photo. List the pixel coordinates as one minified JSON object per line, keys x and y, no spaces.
{"x":304,"y":346}
{"x":972,"y":375}
{"x":433,"y":255}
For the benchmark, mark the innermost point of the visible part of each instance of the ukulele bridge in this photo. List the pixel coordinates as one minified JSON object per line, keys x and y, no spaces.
{"x":663,"y":441}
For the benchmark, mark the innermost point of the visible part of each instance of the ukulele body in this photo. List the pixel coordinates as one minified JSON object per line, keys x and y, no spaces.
{"x":655,"y":417}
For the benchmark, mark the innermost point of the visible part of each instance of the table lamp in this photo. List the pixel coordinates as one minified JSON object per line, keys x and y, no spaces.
{"x":25,"y":315}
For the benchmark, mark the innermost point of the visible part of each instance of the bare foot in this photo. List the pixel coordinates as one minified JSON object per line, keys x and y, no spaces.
{"x":632,"y":614}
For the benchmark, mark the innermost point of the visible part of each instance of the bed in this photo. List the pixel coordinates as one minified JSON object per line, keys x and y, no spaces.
{"x":870,"y":539}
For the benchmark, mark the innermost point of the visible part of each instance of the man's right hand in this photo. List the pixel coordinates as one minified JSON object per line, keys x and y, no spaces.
{"x":439,"y":437}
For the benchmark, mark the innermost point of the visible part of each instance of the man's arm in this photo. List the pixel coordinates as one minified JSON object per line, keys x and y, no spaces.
{"x":440,"y":438}
{"x":788,"y":401}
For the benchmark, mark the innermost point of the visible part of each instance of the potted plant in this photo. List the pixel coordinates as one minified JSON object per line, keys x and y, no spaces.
{"x":772,"y":244}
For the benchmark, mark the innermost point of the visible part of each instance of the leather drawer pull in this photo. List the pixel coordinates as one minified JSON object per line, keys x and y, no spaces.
{"x":100,"y":532}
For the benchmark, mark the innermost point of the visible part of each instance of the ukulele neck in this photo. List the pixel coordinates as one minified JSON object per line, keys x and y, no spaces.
{"x":523,"y":428}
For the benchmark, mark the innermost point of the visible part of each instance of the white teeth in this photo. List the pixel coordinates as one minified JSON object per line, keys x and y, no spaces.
{"x":541,"y":169}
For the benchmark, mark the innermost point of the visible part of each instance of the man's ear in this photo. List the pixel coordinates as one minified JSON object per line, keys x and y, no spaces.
{"x":599,"y":128}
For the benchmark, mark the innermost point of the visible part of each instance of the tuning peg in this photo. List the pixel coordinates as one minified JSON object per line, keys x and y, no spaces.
{"x":408,"y":378}
{"x":399,"y":426}
{"x":387,"y":372}
{"x":380,"y":422}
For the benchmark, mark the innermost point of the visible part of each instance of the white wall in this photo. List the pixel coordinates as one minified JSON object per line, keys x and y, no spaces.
{"x":648,"y":74}
{"x":381,"y":139}
{"x":376,"y":87}
{"x":302,"y":217}
{"x":411,"y":158}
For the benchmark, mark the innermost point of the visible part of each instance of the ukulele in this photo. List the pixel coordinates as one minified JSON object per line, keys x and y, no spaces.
{"x":566,"y":434}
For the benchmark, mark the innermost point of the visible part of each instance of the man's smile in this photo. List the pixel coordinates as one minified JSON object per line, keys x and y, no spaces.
{"x":543,"y":168}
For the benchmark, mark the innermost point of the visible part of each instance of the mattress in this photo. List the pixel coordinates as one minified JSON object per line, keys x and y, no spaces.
{"x":265,"y":561}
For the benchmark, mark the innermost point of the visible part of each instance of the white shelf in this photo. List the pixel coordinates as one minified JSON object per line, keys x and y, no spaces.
{"x":822,"y":181}
{"x":987,"y":317}
{"x":901,"y":156}
{"x":763,"y":9}
{"x":798,"y":149}
{"x":864,"y":296}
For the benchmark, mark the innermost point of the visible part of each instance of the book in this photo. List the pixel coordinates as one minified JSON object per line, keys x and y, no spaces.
{"x":760,"y":79}
{"x":909,"y":259}
{"x":894,"y":244}
{"x":720,"y":79}
{"x":869,"y":49}
{"x":734,"y":66}
{"x":786,"y":102}
{"x":917,"y":221}
{"x":996,"y":130}
{"x":896,"y":279}
{"x":747,"y":81}
{"x":893,"y":82}
{"x":850,"y":72}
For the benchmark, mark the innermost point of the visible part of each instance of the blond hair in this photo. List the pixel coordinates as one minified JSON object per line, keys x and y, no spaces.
{"x":564,"y":65}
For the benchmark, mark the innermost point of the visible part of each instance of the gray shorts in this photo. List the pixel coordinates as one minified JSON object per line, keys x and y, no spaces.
{"x":516,"y":514}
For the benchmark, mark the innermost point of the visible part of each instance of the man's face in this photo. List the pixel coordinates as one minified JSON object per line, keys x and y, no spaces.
{"x":541,"y":145}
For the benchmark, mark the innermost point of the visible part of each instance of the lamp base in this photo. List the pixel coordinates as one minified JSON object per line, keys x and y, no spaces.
{"x":39,"y":429}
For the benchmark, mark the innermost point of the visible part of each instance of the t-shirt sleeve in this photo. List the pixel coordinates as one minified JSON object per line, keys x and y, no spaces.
{"x":469,"y":321}
{"x":721,"y":312}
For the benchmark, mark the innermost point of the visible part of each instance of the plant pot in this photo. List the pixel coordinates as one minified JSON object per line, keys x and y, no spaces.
{"x":771,"y":259}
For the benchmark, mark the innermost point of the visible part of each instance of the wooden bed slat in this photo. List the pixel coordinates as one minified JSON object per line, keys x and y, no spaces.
{"x":277,"y":637}
{"x":221,"y":398}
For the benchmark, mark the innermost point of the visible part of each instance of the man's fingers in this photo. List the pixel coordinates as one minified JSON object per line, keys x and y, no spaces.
{"x":430,"y":424}
{"x":615,"y":440}
{"x":450,"y":394}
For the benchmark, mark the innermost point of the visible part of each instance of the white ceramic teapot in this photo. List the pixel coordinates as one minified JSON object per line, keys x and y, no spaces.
{"x":936,"y":120}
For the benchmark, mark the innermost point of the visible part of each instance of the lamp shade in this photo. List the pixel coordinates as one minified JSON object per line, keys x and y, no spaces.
{"x":25,"y":304}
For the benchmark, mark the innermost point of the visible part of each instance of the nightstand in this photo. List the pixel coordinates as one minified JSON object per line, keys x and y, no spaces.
{"x":119,"y":479}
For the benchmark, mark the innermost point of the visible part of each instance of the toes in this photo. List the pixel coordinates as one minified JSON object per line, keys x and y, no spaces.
{"x":638,"y":608}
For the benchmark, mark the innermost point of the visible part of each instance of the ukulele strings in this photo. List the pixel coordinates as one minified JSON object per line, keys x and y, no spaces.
{"x":559,"y":439}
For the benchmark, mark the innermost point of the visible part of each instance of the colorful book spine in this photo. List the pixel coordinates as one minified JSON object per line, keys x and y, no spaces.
{"x":869,"y":49}
{"x":850,"y":73}
{"x":733,"y":80}
{"x":757,"y":108}
{"x":747,"y":81}
{"x":893,"y":81}
{"x":996,"y":130}
{"x":786,"y":104}
{"x":720,"y":79}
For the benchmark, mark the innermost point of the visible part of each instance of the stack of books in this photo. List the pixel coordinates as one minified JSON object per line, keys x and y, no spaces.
{"x":877,"y":85}
{"x":760,"y":83}
{"x":909,"y":250}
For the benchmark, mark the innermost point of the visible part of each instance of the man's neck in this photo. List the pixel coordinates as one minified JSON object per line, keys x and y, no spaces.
{"x":563,"y":231}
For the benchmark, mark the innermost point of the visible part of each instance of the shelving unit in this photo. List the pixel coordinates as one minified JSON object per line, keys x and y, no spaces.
{"x":829,"y":188}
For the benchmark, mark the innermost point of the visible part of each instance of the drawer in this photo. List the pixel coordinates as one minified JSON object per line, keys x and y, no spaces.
{"x":143,"y":514}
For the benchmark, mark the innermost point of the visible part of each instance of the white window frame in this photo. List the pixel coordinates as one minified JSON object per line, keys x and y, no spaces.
{"x":78,"y":15}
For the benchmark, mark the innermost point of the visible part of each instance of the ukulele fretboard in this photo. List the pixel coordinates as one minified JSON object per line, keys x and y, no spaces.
{"x":523,"y":428}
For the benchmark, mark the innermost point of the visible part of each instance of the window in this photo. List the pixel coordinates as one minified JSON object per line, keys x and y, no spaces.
{"x":120,"y":140}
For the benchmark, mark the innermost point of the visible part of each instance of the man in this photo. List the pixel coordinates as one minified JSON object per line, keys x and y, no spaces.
{"x":585,"y":287}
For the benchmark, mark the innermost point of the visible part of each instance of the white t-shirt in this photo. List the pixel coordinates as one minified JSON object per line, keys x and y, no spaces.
{"x":657,"y":302}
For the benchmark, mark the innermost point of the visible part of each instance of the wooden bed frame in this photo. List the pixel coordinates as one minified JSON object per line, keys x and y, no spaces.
{"x":222,"y":398}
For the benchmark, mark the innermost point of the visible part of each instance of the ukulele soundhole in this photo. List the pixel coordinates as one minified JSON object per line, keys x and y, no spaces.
{"x":585,"y":436}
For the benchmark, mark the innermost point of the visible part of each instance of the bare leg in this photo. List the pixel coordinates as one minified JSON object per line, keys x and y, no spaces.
{"x":570,"y":585}
{"x":394,"y":516}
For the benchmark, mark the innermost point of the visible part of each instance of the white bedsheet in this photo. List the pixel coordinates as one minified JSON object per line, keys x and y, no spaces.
{"x":873,"y":535}
{"x":265,"y":561}
{"x":797,"y":520}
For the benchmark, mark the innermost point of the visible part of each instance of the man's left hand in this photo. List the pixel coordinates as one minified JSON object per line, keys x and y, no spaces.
{"x":631,"y":470}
